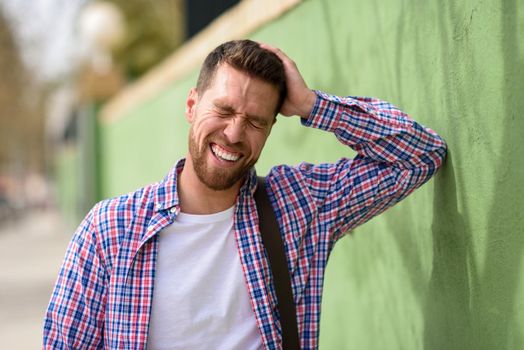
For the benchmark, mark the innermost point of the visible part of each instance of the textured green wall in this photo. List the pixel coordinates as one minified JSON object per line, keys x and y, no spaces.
{"x":445,"y":268}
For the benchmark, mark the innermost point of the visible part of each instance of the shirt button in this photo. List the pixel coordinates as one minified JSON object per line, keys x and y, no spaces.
{"x":173,"y":210}
{"x":158,"y":206}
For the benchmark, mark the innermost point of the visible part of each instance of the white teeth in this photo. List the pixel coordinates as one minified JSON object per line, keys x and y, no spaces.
{"x":223,"y":154}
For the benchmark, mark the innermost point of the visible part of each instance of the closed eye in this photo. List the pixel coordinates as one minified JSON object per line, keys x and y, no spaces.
{"x":224,"y":110}
{"x":223,"y":113}
{"x":256,"y":124}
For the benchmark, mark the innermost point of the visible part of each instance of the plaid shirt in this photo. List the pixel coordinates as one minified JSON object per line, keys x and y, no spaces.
{"x":103,"y":295}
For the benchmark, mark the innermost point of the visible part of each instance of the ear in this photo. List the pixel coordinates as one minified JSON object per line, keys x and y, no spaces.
{"x":191,"y":102}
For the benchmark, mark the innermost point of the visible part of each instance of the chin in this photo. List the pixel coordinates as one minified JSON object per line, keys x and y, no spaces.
{"x":220,"y":183}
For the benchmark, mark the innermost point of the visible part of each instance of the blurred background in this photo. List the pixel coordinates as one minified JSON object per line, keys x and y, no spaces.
{"x":59,"y":62}
{"x":91,"y":106}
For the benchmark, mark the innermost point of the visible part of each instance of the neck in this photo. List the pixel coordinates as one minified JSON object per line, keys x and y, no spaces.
{"x":196,"y":198}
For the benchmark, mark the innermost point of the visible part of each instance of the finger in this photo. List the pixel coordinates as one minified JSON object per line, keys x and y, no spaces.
{"x":276,"y":51}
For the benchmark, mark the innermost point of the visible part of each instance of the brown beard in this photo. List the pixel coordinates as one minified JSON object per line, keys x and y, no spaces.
{"x":217,"y":179}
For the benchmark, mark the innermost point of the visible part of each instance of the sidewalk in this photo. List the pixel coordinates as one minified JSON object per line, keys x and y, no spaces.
{"x":31,"y":252}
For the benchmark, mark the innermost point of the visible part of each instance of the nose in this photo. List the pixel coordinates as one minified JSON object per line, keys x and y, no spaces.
{"x":234,"y":130}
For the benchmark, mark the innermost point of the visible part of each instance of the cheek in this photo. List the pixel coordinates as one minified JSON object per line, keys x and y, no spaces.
{"x":204,"y":127}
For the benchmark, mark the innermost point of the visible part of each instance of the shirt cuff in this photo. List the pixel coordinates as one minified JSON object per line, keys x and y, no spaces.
{"x":324,"y":112}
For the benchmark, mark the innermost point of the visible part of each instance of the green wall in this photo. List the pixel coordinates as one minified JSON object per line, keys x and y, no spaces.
{"x":444,"y":269}
{"x":67,"y":175}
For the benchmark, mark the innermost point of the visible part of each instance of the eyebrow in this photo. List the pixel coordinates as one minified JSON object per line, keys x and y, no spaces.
{"x":228,"y":108}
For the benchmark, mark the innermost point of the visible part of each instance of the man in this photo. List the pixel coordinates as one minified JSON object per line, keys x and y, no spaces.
{"x":180,"y":264}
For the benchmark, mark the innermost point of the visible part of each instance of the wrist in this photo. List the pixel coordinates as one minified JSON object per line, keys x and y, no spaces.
{"x":307,"y":106}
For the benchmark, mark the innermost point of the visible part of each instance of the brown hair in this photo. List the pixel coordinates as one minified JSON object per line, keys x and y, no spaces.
{"x":248,"y":57}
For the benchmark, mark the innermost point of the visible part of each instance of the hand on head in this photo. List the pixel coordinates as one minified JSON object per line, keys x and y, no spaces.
{"x":300,"y":99}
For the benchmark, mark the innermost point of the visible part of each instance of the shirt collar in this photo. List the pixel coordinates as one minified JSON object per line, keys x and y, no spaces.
{"x":166,"y":195}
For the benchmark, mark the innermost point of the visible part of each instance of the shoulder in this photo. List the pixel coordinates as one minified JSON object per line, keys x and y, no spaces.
{"x":112,"y":220}
{"x":309,"y":173}
{"x":124,"y":206}
{"x":313,"y":181}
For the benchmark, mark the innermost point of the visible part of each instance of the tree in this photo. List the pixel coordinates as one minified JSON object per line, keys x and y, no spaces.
{"x":154,"y":30}
{"x":21,"y":120}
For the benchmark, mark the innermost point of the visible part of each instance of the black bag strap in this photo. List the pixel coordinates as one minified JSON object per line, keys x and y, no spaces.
{"x":278,"y":263}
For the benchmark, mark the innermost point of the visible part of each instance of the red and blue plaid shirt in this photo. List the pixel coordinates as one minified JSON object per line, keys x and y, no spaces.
{"x":103,"y":295}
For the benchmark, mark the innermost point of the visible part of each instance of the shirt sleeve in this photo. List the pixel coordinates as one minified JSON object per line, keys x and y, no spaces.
{"x":395,"y":155}
{"x":75,"y":315}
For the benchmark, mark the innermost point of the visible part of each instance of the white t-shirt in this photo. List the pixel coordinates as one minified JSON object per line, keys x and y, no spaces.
{"x":200,"y":299}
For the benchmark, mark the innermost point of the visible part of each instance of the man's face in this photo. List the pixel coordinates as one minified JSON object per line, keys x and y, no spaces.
{"x":230,"y":122}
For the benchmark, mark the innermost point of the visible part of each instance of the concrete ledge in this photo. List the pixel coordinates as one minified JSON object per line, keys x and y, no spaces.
{"x":236,"y":23}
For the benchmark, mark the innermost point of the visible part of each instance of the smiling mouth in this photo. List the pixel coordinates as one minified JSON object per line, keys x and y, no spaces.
{"x":222,"y":154}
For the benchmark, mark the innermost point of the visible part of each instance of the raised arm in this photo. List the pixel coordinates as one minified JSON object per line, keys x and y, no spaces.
{"x":395,"y":154}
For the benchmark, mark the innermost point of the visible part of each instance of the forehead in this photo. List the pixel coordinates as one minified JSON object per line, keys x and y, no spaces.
{"x":244,"y":93}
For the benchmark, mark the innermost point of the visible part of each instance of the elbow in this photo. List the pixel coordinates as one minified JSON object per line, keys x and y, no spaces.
{"x":440,"y":154}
